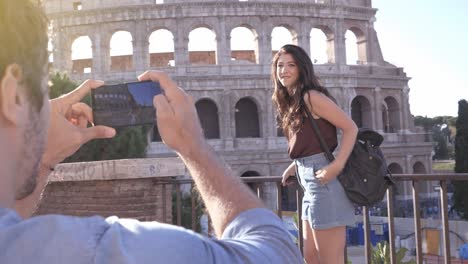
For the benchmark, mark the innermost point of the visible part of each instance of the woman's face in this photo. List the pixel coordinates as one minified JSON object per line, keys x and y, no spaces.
{"x":287,"y":71}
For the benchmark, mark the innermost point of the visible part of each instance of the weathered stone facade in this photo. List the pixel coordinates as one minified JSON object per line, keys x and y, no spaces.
{"x":127,"y":188}
{"x":233,"y":89}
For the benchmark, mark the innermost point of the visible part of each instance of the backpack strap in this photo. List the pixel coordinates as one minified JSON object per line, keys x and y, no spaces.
{"x":322,"y":142}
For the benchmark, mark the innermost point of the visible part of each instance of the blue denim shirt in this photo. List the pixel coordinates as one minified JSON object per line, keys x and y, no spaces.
{"x":255,"y":236}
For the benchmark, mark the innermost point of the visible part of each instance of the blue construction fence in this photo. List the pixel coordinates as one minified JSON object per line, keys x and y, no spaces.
{"x":355,"y":234}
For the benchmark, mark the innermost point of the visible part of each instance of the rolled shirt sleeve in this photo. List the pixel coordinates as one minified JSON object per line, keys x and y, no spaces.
{"x":254,"y":236}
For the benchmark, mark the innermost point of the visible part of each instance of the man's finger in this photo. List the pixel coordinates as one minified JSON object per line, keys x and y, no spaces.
{"x":79,"y":93}
{"x":96,"y":132}
{"x":163,"y":108}
{"x":170,"y":88}
{"x":82,"y":109}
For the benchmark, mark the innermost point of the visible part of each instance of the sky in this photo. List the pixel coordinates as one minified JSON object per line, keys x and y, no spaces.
{"x":429,"y":38}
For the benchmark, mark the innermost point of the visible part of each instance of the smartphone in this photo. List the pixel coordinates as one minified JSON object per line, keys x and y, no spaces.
{"x":126,"y":104}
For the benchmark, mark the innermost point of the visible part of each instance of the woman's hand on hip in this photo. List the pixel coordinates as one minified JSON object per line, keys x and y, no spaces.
{"x":328,"y":173}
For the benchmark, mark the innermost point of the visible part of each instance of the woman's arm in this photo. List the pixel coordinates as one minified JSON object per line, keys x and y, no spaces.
{"x":323,"y":107}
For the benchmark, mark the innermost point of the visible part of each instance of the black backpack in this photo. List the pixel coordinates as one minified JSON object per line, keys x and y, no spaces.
{"x":365,"y":177}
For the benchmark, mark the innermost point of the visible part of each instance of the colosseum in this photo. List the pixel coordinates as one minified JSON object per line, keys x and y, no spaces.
{"x":220,"y":51}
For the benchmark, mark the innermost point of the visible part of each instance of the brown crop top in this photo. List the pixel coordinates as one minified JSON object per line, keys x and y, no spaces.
{"x":305,"y":143}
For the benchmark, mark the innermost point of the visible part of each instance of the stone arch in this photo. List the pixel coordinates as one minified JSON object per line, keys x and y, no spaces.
{"x":288,"y":197}
{"x":121,"y":51}
{"x":361,"y":111}
{"x":395,"y":168}
{"x":247,"y":118}
{"x":424,"y":186}
{"x":393,"y":110}
{"x":161,"y":48}
{"x":209,"y":117}
{"x":252,"y":173}
{"x":82,"y":54}
{"x":356,"y":46}
{"x":418,"y":167}
{"x":321,"y":45}
{"x":202,"y":46}
{"x":385,"y":122}
{"x":244,"y":51}
{"x":281,"y":35}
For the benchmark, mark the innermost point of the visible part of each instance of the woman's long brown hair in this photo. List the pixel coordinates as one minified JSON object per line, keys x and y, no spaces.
{"x":289,"y":107}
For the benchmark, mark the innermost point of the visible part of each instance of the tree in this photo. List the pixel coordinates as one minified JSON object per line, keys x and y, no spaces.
{"x":442,"y":129}
{"x":460,"y":194}
{"x":426,"y":122}
{"x":60,"y":84}
{"x":128,"y":143}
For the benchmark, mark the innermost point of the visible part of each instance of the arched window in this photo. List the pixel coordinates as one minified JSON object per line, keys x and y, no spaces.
{"x":385,"y":122}
{"x":356,"y":46}
{"x":82,"y":55}
{"x":395,"y":168}
{"x":393,"y":114}
{"x":351,"y":48}
{"x":419,"y":167}
{"x":244,"y":46}
{"x":247,"y":121}
{"x":255,"y":187}
{"x":202,"y":46}
{"x":361,"y":112}
{"x":424,"y":186}
{"x":208,"y":115}
{"x":280,"y":36}
{"x":161,"y":48}
{"x":121,"y":51}
{"x":318,"y":47}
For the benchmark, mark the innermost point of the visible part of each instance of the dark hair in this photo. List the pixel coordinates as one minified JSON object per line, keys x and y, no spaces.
{"x":23,"y":36}
{"x":290,"y":108}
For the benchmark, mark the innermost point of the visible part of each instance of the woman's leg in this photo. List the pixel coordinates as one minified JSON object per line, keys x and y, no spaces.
{"x":330,"y":244}
{"x":310,"y":250}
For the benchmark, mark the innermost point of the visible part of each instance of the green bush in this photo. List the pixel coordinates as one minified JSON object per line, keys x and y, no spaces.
{"x":381,"y":254}
{"x":186,"y":209}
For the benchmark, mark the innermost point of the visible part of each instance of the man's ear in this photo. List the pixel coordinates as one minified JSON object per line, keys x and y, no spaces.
{"x":9,"y":93}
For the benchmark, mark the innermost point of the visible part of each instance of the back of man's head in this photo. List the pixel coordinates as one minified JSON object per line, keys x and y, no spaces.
{"x":23,"y":40}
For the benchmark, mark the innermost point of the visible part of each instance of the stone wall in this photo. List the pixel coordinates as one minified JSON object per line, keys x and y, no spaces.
{"x":125,"y":188}
{"x":129,"y":198}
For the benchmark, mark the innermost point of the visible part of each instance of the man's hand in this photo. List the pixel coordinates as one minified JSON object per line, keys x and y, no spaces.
{"x":176,"y":115}
{"x":68,"y":128}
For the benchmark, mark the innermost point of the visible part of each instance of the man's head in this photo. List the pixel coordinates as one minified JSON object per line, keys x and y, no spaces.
{"x":23,"y":92}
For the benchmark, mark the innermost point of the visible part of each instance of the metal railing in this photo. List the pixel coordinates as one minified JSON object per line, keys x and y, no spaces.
{"x":413,"y":178}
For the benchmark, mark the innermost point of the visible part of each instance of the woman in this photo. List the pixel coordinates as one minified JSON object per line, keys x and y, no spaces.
{"x":325,"y":208}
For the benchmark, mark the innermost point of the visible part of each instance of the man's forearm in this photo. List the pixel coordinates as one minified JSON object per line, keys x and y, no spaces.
{"x":223,"y":193}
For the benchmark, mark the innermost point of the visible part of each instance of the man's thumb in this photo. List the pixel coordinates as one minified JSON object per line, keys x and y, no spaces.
{"x":97,"y":132}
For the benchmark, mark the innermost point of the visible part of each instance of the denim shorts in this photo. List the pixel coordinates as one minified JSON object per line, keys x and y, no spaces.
{"x":323,"y":205}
